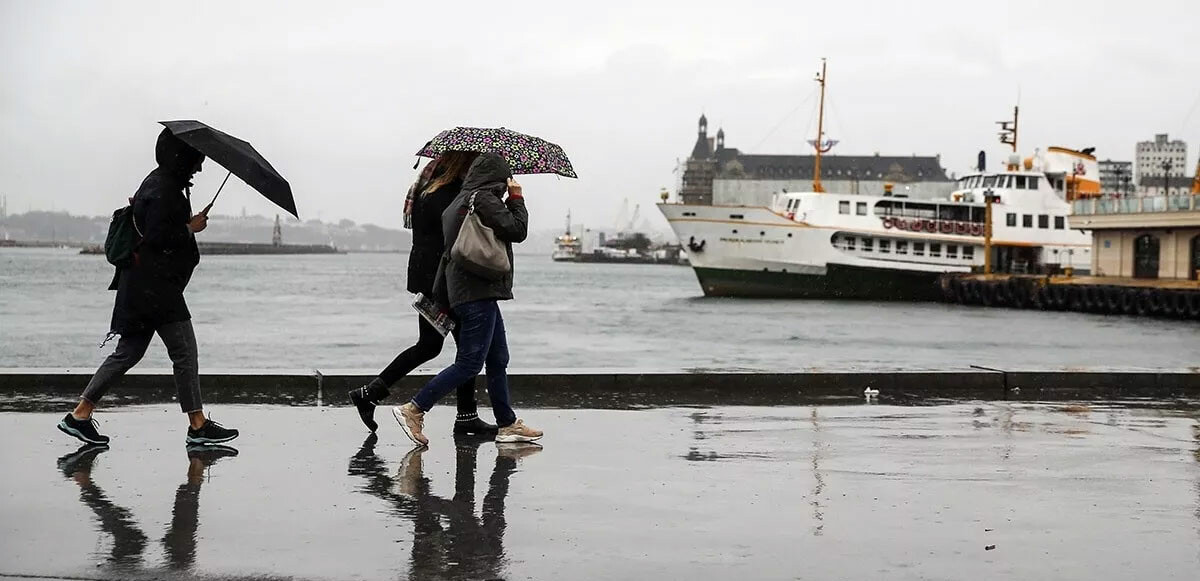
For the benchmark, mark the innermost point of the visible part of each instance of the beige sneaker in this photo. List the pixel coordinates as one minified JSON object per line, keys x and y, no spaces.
{"x":412,"y":420}
{"x":517,"y":450}
{"x":408,"y":481}
{"x":518,"y":432}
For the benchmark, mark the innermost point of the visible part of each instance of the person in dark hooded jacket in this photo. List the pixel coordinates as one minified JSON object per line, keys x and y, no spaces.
{"x":474,"y":300}
{"x":438,"y":185}
{"x":150,"y":295}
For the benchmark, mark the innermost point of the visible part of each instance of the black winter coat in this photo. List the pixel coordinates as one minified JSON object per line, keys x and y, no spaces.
{"x":150,"y":293}
{"x":487,"y":180}
{"x":427,"y":238}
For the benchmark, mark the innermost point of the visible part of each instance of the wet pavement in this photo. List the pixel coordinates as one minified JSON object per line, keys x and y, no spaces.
{"x":961,"y":491}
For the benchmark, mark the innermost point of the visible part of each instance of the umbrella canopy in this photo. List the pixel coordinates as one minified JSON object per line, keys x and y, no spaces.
{"x":237,"y":156}
{"x":525,"y":153}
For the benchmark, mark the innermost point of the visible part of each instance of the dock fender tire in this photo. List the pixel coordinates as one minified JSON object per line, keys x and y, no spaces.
{"x":949,"y":288}
{"x":975,"y":292}
{"x":1129,"y":301}
{"x":1077,"y":298}
{"x":1003,"y":293}
{"x":1193,"y":303}
{"x":1112,"y":299}
{"x":987,"y":294}
{"x":1058,"y":297}
{"x":1141,"y":305}
{"x":1019,"y":292}
{"x":1160,"y":302}
{"x":1039,"y":297}
{"x":1179,"y":304}
{"x":1097,"y":303}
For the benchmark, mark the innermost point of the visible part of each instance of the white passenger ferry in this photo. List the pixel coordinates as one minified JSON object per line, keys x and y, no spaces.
{"x":839,"y":245}
{"x":828,"y":245}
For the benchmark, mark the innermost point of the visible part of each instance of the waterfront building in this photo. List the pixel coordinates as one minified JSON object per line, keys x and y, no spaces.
{"x":1159,"y":156}
{"x":1116,"y":178}
{"x":715,"y":174}
{"x":1143,"y":236}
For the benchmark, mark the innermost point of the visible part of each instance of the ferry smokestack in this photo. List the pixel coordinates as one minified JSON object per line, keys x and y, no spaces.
{"x":981,"y":163}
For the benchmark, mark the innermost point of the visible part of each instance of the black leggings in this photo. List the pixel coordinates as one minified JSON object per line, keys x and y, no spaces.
{"x":429,"y":345}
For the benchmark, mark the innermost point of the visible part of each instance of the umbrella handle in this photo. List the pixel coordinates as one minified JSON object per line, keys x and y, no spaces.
{"x":214,"y":200}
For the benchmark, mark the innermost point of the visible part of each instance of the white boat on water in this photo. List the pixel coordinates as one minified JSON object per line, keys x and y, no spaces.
{"x":821,"y":244}
{"x":567,"y":246}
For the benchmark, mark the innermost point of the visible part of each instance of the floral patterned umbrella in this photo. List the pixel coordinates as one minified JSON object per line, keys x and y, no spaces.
{"x":525,"y":154}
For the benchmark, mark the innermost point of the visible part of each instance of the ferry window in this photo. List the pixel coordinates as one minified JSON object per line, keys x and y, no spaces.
{"x":935,"y":249}
{"x":1043,"y":221}
{"x":1012,"y":219}
{"x":951,"y":251}
{"x":1020,"y":182}
{"x":989,"y":181}
{"x":885,"y":246}
{"x":861,"y":208}
{"x":1058,"y":222}
{"x":1033,"y":182}
{"x":844,"y":207}
{"x":901,"y":247}
{"x":1027,"y":221}
{"x":918,"y":248}
{"x":968,"y":252}
{"x":850,"y":242}
{"x":867,"y":244}
{"x":736,"y":217}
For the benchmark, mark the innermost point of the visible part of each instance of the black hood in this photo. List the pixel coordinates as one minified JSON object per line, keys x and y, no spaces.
{"x":489,"y":171}
{"x":174,"y":155}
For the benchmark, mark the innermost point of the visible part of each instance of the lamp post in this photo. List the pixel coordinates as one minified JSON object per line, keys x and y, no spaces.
{"x":988,"y":198}
{"x":1166,"y":167}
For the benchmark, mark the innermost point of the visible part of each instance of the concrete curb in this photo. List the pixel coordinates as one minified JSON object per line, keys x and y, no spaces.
{"x":632,"y":389}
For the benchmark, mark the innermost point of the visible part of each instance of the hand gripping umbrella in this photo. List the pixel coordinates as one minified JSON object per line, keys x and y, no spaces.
{"x":525,"y":154}
{"x":237,"y":156}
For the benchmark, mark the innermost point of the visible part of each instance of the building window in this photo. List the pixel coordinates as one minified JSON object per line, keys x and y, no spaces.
{"x":951,"y":251}
{"x":1012,"y":219}
{"x":968,"y":252}
{"x":1043,"y":221}
{"x":1027,"y":221}
{"x":844,"y":207}
{"x":918,"y":249}
{"x":861,"y":208}
{"x":901,"y":247}
{"x":867,"y":244}
{"x":885,"y":246}
{"x":935,"y":249}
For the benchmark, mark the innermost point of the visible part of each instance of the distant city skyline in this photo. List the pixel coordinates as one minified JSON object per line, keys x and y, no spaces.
{"x":338,"y":98}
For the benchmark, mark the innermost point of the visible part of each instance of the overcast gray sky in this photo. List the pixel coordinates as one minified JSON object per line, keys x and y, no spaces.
{"x":338,"y":95}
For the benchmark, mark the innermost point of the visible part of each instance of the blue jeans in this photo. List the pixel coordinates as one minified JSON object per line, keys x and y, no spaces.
{"x":481,"y":341}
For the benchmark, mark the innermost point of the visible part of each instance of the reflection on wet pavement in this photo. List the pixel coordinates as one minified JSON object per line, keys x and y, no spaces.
{"x":870,"y":491}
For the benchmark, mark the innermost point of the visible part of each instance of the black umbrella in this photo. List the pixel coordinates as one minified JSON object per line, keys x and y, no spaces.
{"x":239,"y":158}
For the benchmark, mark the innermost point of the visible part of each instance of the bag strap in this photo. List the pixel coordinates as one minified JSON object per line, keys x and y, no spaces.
{"x":471,"y":203}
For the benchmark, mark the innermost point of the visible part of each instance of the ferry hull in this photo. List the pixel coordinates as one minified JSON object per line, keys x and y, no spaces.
{"x":838,"y":282}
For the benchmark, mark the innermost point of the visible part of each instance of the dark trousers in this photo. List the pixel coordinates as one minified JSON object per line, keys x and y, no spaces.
{"x":180,"y":340}
{"x":429,"y":345}
{"x":481,"y":341}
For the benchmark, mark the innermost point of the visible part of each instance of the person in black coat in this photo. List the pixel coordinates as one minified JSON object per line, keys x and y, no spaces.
{"x":440,"y":182}
{"x":150,"y":295}
{"x":475,"y":301}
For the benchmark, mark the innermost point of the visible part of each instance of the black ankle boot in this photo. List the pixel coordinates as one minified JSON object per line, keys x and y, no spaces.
{"x":470,"y":424}
{"x":366,"y":398}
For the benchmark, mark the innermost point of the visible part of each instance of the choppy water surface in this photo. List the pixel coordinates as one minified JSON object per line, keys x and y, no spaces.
{"x":351,"y":312}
